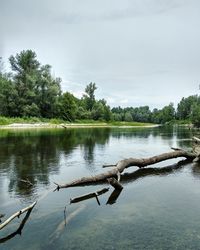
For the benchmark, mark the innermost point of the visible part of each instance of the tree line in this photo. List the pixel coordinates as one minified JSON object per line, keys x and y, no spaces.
{"x":30,"y":90}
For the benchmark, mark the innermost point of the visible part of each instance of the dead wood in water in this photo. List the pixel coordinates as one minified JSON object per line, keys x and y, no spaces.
{"x":126,"y":163}
{"x":62,"y":225}
{"x":89,"y":196}
{"x":115,"y":183}
{"x":17,"y":214}
{"x":114,"y":196}
{"x":19,"y":230}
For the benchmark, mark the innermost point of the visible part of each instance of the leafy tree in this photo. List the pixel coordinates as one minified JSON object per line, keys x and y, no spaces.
{"x":107,"y":116}
{"x":195,"y":115}
{"x":25,"y":67}
{"x":36,"y":90}
{"x":48,"y":90}
{"x":98,"y":111}
{"x":168,"y":113}
{"x":67,"y":107}
{"x":7,"y":94}
{"x":89,"y":97}
{"x":128,"y":117}
{"x":4,"y":92}
{"x":117,"y":117}
{"x":156,"y":116}
{"x":141,"y":114}
{"x":101,"y":111}
{"x":184,"y":108}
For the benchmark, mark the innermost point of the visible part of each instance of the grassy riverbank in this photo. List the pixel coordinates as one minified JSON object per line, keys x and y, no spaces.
{"x":41,"y":122}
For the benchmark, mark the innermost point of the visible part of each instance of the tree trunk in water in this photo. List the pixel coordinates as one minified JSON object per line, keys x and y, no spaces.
{"x":126,"y":163}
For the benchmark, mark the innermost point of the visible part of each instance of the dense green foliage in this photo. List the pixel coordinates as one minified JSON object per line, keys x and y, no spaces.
{"x":30,"y":90}
{"x":144,"y":114}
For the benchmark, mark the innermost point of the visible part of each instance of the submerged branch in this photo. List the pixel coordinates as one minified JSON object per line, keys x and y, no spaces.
{"x":61,"y":226}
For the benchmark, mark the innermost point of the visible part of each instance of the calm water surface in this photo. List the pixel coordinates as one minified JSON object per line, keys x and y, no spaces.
{"x":159,"y":207}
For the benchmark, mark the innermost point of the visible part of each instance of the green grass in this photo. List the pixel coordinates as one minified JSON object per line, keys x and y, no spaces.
{"x":31,"y":120}
{"x":120,"y":123}
{"x":179,"y":122}
{"x":89,"y":121}
{"x":109,"y":123}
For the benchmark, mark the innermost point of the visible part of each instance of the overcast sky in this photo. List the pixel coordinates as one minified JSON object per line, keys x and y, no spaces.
{"x":138,"y":52}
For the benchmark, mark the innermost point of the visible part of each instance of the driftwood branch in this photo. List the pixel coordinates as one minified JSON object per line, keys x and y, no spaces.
{"x":19,"y":230}
{"x":17,"y":214}
{"x":126,"y":163}
{"x":89,"y":196}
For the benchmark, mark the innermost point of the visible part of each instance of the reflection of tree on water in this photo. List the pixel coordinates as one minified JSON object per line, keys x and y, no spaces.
{"x":150,"y":171}
{"x":92,"y":138}
{"x":131,"y":132}
{"x":36,"y":154}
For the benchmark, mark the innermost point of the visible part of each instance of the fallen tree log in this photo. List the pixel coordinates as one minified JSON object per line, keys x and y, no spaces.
{"x":17,"y":214}
{"x":126,"y":163}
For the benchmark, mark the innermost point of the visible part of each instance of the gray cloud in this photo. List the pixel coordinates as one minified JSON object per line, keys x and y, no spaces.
{"x":138,"y":52}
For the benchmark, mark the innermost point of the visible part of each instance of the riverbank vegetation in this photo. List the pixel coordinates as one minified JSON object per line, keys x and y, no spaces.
{"x":32,"y":94}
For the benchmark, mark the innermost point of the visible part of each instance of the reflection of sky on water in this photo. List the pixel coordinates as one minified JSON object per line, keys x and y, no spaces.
{"x":153,"y":199}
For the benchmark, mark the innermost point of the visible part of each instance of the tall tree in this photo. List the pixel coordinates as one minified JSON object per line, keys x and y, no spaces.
{"x":47,"y":90}
{"x":7,"y":93}
{"x":195,"y":115}
{"x":89,"y":97}
{"x":37,"y":91}
{"x":25,"y":67}
{"x":184,"y":108}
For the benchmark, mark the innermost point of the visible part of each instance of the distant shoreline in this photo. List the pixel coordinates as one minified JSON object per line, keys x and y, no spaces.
{"x":71,"y":125}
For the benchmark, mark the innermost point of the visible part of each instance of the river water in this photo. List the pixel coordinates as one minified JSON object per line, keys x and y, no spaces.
{"x":159,"y":207}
